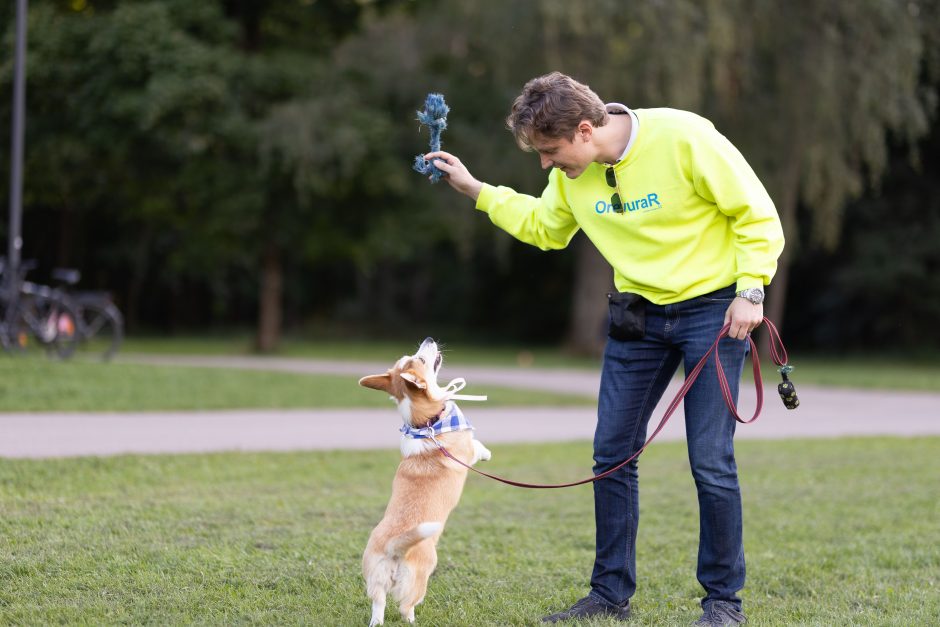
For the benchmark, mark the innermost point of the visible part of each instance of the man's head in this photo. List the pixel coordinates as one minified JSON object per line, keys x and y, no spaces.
{"x":556,"y":115}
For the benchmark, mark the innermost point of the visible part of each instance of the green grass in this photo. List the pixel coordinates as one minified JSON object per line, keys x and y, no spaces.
{"x":872,"y":371}
{"x":364,"y":350}
{"x":39,"y":384}
{"x":837,"y":532}
{"x":865,"y":371}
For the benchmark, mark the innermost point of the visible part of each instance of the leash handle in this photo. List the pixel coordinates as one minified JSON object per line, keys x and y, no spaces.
{"x":777,"y":353}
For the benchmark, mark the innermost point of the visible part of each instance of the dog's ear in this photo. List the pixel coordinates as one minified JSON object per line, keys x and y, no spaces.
{"x":377,"y":382}
{"x":411,"y":378}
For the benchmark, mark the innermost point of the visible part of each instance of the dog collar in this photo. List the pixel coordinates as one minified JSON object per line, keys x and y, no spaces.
{"x":451,"y":419}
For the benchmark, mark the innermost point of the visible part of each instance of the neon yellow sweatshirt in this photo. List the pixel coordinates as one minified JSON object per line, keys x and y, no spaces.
{"x":695,"y":217}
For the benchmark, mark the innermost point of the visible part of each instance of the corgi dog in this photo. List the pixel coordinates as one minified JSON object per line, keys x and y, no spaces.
{"x":402,"y":549}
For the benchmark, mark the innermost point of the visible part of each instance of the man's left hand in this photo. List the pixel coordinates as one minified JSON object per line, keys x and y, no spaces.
{"x":744,"y":317}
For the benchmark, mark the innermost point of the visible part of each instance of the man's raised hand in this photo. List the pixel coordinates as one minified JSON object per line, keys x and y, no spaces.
{"x":457,"y":174}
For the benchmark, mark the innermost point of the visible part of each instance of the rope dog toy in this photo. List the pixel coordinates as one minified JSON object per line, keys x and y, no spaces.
{"x":434,"y":117}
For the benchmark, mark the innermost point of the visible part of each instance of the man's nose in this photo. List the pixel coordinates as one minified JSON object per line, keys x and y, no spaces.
{"x":546,"y":162}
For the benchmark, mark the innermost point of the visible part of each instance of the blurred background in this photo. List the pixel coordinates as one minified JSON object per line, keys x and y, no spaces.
{"x":244,"y":167}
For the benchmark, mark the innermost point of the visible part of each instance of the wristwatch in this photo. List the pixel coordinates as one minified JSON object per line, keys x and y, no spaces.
{"x":753,"y":294}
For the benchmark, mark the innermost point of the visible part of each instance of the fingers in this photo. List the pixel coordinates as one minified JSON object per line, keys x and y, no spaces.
{"x":740,"y":329}
{"x":743,"y":318}
{"x":440,"y":164}
{"x":743,"y":329}
{"x":441,"y":154}
{"x":443,"y":160}
{"x":458,"y":176}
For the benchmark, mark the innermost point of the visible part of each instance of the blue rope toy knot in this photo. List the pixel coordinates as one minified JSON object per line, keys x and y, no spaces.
{"x":434,"y":117}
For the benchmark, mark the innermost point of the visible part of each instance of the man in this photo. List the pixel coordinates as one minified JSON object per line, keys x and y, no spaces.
{"x":692,"y":237}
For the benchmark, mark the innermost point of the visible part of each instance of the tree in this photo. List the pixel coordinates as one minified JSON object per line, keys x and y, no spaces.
{"x":239,"y":161}
{"x":881,"y":284}
{"x":804,"y":100}
{"x":125,"y":109}
{"x":310,"y":143}
{"x":148,"y":121}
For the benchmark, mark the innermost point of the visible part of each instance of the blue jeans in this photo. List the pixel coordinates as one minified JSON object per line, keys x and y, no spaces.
{"x":634,"y":376}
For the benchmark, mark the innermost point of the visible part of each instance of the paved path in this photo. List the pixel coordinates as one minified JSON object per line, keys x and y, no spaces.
{"x":823,"y":412}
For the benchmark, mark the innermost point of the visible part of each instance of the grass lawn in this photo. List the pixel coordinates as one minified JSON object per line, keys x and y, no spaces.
{"x":837,"y":532}
{"x":364,"y":350}
{"x":40,"y":384}
{"x":921,"y":373}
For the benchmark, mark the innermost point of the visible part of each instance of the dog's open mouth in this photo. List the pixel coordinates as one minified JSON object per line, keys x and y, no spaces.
{"x":429,"y":354}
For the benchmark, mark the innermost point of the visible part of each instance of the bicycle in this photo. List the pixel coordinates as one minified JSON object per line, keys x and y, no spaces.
{"x":34,"y":312}
{"x":100,"y":323}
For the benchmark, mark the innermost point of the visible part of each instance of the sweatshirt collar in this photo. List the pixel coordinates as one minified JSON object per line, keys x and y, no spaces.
{"x":616,"y":107}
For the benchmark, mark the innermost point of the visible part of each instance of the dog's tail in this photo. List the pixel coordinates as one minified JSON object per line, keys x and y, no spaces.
{"x":398,"y":546}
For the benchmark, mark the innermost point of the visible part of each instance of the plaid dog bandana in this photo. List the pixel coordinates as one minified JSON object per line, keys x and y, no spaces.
{"x":452,"y":419}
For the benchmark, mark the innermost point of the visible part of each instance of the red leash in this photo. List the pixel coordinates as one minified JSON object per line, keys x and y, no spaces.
{"x":777,"y":353}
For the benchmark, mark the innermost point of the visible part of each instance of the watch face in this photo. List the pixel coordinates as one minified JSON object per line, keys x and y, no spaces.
{"x":753,"y":294}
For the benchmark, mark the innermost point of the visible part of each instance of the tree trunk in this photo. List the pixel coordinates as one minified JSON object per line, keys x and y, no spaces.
{"x":269,"y":300}
{"x":592,"y":281}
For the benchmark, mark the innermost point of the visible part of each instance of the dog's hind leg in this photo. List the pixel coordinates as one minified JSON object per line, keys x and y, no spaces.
{"x":378,"y":574}
{"x":422,"y":561}
{"x":378,"y":609}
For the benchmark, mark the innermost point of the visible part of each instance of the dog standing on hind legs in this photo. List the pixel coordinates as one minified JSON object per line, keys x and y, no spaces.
{"x":402,"y":549}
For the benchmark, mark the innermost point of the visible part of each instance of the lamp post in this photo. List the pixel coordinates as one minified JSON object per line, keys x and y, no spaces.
{"x":16,"y":148}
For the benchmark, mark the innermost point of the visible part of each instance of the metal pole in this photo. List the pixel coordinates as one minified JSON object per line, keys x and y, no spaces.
{"x":16,"y":151}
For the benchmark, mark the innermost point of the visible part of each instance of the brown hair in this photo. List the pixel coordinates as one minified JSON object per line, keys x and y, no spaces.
{"x":552,"y":106}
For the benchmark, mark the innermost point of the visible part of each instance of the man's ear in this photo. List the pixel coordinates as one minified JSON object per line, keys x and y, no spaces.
{"x":412,"y":379}
{"x":585,"y":130}
{"x":377,"y":382}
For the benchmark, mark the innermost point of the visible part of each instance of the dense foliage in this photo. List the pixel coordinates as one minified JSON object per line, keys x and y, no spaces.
{"x":230,"y":164}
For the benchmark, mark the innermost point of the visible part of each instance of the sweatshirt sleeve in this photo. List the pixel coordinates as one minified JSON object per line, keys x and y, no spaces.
{"x":546,"y":222}
{"x":721,"y":175}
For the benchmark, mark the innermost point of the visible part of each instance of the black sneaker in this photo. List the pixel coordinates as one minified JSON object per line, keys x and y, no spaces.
{"x":720,"y":614}
{"x":588,"y":607}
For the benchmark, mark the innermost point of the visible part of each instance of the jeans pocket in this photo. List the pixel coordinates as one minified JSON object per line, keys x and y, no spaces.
{"x":627,"y":316}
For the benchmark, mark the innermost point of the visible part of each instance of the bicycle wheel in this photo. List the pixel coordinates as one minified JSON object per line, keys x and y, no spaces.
{"x":16,"y":337}
{"x":67,"y":335}
{"x":47,"y":321}
{"x":101,"y":327}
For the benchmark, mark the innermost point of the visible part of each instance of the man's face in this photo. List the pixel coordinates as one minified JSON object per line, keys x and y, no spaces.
{"x":571,"y":156}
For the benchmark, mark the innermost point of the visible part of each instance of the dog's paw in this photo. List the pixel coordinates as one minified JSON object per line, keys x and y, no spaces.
{"x":480,"y":452}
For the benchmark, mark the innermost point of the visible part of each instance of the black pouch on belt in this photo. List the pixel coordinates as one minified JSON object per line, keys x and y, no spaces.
{"x":627,"y":316}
